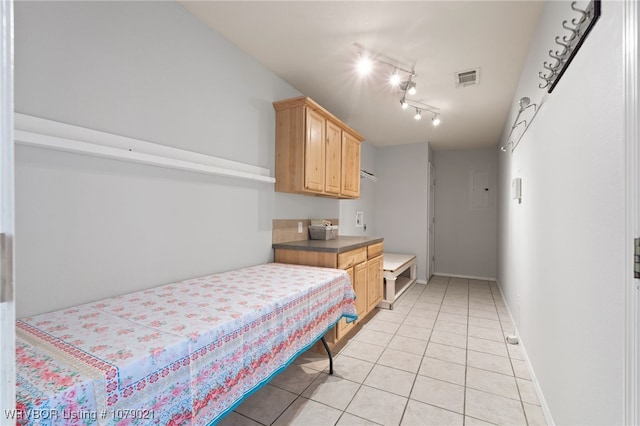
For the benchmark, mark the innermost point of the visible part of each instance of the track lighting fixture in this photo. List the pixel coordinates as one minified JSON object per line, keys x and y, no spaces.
{"x":420,"y":107}
{"x":400,"y":78}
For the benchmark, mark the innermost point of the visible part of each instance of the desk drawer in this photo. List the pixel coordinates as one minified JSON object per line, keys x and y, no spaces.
{"x":353,"y":257}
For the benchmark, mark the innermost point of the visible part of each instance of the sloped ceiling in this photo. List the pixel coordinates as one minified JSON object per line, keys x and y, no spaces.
{"x":313,"y":46}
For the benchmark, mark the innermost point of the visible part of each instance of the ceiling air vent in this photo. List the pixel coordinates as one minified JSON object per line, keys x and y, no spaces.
{"x":467,"y":78}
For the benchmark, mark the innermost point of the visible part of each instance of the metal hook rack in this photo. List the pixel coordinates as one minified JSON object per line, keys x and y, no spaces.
{"x":569,"y":44}
{"x":524,"y":104}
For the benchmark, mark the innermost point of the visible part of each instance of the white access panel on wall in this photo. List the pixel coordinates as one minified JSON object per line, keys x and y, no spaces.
{"x":480,"y":189}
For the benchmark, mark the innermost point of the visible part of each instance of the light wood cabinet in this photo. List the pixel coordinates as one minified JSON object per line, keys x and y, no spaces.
{"x":375,"y":283}
{"x":360,"y":287}
{"x":333,"y":158}
{"x":316,"y":153}
{"x":351,"y":258}
{"x":358,"y":277}
{"x":374,"y":250}
{"x":364,"y":266}
{"x":350,"y":166}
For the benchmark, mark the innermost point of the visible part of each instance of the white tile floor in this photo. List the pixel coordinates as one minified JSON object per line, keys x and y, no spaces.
{"x":438,"y":358}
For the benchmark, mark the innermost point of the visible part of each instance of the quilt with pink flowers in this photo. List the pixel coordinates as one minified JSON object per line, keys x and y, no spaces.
{"x":181,"y":354}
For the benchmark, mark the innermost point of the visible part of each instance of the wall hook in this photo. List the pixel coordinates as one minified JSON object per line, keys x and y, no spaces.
{"x":545,"y":78}
{"x":566,"y":46}
{"x":555,"y":56}
{"x":550,"y":67}
{"x":583,"y":14}
{"x":574,"y":32}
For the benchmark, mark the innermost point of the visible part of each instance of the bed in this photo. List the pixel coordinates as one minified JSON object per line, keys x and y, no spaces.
{"x":183,"y":353}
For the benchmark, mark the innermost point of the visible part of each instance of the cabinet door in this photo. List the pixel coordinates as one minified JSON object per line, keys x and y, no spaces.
{"x":374,"y":282}
{"x":343,"y":327}
{"x":333,"y":167}
{"x":350,"y":166}
{"x":314,"y":152}
{"x":360,"y":287}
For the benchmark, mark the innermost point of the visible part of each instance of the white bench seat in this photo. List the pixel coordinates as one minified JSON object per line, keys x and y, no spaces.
{"x":399,"y":275}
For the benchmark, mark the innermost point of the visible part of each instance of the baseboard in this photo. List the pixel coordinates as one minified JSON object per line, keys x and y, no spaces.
{"x":469,"y":277}
{"x":534,"y":379}
{"x":421,"y":281}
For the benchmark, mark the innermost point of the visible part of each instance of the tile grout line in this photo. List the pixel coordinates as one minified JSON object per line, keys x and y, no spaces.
{"x":466,"y":359}
{"x":374,"y":365}
{"x":421,"y":361}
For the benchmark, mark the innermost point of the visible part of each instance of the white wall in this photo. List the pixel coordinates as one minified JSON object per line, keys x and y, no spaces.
{"x":562,"y":250}
{"x":401,"y":201}
{"x":89,"y":228}
{"x":366,"y":202}
{"x":466,"y":223}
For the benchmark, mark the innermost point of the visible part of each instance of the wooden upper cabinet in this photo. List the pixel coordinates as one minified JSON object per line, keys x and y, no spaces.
{"x":316,"y":153}
{"x":350,"y":166}
{"x":333,"y":165}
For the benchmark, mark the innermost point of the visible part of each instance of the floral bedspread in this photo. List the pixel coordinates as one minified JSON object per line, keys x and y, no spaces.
{"x":182,"y":353}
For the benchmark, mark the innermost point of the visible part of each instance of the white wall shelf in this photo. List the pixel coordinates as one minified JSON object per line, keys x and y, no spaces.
{"x":43,"y":133}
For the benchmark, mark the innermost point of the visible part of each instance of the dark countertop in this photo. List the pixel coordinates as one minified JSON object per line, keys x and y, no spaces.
{"x":338,"y":245}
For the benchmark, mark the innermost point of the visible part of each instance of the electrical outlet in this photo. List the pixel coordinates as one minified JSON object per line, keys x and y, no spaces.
{"x":299,"y":227}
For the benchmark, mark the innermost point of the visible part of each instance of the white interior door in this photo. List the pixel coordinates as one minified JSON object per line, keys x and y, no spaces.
{"x":7,"y":311}
{"x":431,"y":219}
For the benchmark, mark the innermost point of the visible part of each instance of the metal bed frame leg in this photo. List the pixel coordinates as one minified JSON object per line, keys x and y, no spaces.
{"x":326,"y":347}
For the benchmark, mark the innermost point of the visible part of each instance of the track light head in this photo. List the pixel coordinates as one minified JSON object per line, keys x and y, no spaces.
{"x":435,"y":120}
{"x":364,"y":65}
{"x":408,"y":86}
{"x":394,"y":80}
{"x":418,"y":115}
